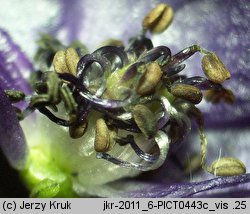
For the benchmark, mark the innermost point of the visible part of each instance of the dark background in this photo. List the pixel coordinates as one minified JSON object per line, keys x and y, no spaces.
{"x":10,"y":183}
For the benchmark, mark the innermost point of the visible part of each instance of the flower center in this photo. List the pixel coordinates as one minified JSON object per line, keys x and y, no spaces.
{"x":133,"y":91}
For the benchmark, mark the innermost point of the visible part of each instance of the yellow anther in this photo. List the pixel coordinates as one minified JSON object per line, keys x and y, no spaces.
{"x":102,"y":138}
{"x":149,"y":80}
{"x":159,"y":18}
{"x":214,"y":69}
{"x":77,"y":131}
{"x":59,"y":62}
{"x":227,"y":166}
{"x":71,"y":58}
{"x":112,"y":42}
{"x":187,"y":92}
{"x":216,"y":96}
{"x":145,"y":120}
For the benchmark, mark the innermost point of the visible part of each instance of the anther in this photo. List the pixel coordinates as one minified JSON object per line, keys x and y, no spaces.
{"x":68,"y":99}
{"x":14,"y":96}
{"x":158,"y":19}
{"x":112,"y":42}
{"x":149,"y":79}
{"x":227,"y":166}
{"x":102,"y":137}
{"x":187,"y":92}
{"x":53,"y":88}
{"x":216,"y":96}
{"x":77,"y":130}
{"x":71,"y":59}
{"x":214,"y":69}
{"x":145,"y":120}
{"x":59,"y":62}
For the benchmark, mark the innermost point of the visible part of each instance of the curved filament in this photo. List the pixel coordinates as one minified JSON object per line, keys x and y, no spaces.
{"x":115,"y":51}
{"x":143,"y":155}
{"x":161,"y":139}
{"x":201,"y":83}
{"x":54,"y":118}
{"x":139,"y":44}
{"x":161,"y":53}
{"x":87,"y":60}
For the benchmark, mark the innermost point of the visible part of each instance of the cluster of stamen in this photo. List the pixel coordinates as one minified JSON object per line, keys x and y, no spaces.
{"x":136,"y":89}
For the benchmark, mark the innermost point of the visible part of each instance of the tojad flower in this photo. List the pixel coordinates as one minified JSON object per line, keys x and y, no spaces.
{"x":54,"y":164}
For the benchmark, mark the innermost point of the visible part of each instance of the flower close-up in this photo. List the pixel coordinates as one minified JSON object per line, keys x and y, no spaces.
{"x":125,"y":98}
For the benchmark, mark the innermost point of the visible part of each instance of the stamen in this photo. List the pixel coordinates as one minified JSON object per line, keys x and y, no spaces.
{"x":53,"y":118}
{"x":53,"y":88}
{"x":163,"y":143}
{"x":138,"y":45}
{"x":227,"y":166}
{"x":102,"y":136}
{"x":202,"y":83}
{"x":82,"y":113}
{"x":131,"y":72}
{"x":86,"y":61}
{"x":214,"y":69}
{"x":187,"y":92}
{"x":162,"y":121}
{"x":39,"y":101}
{"x":105,"y":103}
{"x":158,"y":19}
{"x":160,"y":53}
{"x":178,"y":58}
{"x":59,"y":62}
{"x":14,"y":96}
{"x":107,"y":50}
{"x":149,"y":80}
{"x":128,"y":126}
{"x":170,"y":71}
{"x":145,"y":120}
{"x":69,"y":102}
{"x":77,"y":130}
{"x":70,"y":78}
{"x":71,"y":58}
{"x":217,"y":95}
{"x":142,"y":74}
{"x":129,"y":139}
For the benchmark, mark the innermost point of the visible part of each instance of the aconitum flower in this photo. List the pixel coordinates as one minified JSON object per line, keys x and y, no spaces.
{"x":49,"y":153}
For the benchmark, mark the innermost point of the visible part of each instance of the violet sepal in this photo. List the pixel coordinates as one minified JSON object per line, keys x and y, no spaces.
{"x":12,"y":140}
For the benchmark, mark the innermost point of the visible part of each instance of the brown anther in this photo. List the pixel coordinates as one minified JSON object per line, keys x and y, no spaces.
{"x":149,"y":79}
{"x":187,"y":92}
{"x":145,"y":120}
{"x":102,"y":137}
{"x":59,"y":62}
{"x":71,"y":59}
{"x":227,"y":166}
{"x":112,"y":42}
{"x":77,"y":130}
{"x":14,"y":96}
{"x":158,"y":19}
{"x":214,"y":69}
{"x":216,"y":96}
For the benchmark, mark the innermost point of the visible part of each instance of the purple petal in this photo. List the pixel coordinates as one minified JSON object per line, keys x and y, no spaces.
{"x":209,"y":188}
{"x":12,"y":140}
{"x":235,"y":186}
{"x":15,"y":68}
